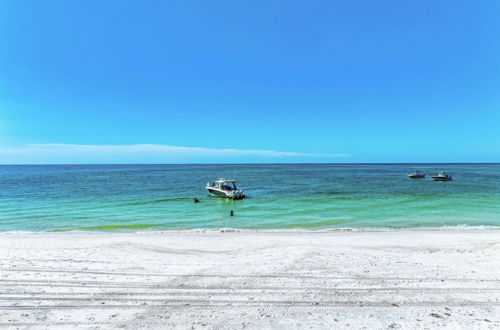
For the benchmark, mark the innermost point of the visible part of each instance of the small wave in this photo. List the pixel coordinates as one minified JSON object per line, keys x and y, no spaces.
{"x":463,"y":227}
{"x":457,"y":228}
{"x":137,"y":226}
{"x":156,"y":229}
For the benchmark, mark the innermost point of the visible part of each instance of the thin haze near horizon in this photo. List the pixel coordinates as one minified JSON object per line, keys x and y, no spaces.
{"x":260,"y":81}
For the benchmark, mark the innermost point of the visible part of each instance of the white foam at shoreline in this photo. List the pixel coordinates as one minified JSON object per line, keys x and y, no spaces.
{"x":457,"y":228}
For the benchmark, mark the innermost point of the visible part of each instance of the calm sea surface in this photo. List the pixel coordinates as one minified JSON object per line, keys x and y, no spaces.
{"x":302,"y":196}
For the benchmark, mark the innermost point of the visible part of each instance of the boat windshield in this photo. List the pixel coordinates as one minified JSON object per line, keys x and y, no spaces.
{"x":226,"y":185}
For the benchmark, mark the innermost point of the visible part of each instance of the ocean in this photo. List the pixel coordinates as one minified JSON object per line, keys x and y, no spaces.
{"x":280,"y":197}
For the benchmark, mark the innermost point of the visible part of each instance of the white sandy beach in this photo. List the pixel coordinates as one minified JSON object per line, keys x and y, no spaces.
{"x":251,"y":280}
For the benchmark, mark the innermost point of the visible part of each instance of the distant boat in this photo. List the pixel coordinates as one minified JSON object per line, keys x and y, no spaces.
{"x":225,"y":188}
{"x":442,"y":176}
{"x":416,"y":175}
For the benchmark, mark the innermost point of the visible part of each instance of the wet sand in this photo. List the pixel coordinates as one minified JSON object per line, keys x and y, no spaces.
{"x":251,"y":280}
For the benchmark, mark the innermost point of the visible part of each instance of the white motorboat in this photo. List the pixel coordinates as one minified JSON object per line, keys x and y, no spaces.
{"x":442,"y":176}
{"x":416,"y":175}
{"x":225,"y":188}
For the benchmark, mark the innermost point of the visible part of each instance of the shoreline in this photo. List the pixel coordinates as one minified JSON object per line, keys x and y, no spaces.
{"x":445,"y":228}
{"x":251,"y":280}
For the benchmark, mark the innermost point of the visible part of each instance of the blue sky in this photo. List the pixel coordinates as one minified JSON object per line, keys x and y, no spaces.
{"x":249,"y":81}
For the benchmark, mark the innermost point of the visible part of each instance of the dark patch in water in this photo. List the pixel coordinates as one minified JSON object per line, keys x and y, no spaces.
{"x":156,"y":201}
{"x":328,"y":192}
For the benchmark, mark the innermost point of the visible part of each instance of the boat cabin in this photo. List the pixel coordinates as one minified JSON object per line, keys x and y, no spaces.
{"x":225,"y":184}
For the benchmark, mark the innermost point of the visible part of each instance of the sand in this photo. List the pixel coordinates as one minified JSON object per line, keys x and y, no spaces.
{"x":251,"y":280}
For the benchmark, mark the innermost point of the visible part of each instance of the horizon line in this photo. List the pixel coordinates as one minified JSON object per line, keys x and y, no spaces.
{"x":284,"y":163}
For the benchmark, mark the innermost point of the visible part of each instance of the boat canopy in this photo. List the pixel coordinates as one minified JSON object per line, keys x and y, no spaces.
{"x":224,"y":184}
{"x":224,"y":180}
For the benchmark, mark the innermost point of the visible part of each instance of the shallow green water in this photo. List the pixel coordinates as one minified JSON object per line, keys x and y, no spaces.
{"x":312,"y":196}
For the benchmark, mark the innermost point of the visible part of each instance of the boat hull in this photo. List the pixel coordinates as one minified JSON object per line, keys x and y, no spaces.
{"x":225,"y":194}
{"x":436,"y":178}
{"x":416,"y":176}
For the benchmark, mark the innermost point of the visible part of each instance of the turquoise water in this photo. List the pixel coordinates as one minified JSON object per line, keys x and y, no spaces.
{"x":307,"y":196}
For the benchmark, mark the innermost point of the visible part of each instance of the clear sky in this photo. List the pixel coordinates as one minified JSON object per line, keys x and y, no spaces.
{"x":249,"y":81}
